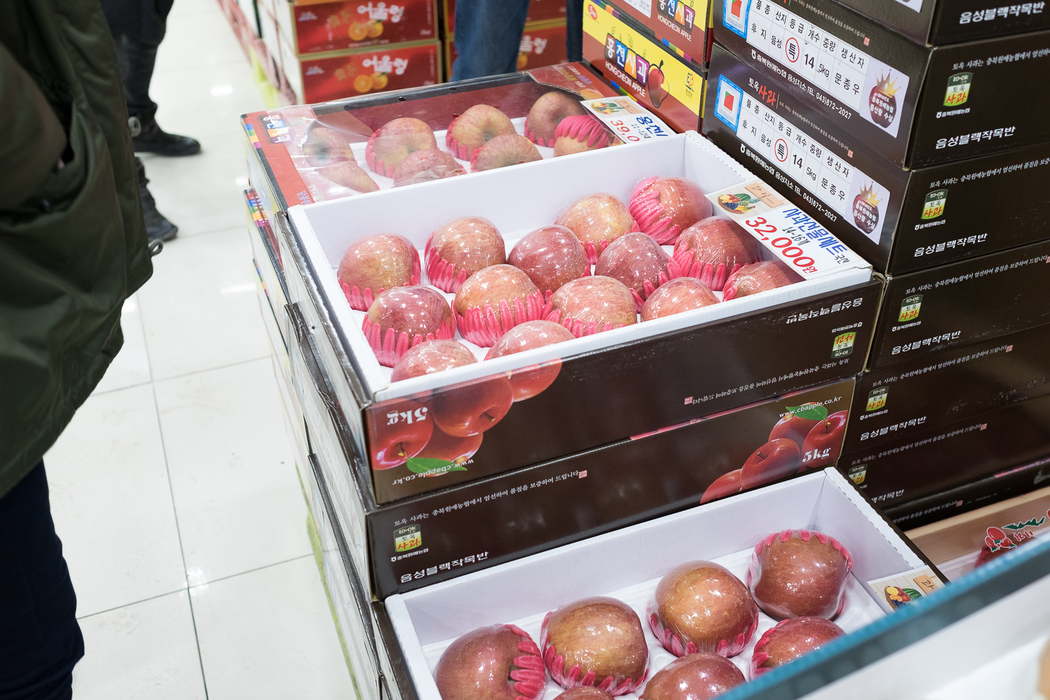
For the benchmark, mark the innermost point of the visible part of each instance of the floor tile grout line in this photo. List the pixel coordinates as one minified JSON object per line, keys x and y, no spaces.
{"x":264,"y":567}
{"x":180,"y":589}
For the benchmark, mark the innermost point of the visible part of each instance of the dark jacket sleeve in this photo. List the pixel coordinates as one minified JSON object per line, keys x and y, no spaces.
{"x":33,"y":137}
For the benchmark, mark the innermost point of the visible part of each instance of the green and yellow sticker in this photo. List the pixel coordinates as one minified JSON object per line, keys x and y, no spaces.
{"x":958,"y":89}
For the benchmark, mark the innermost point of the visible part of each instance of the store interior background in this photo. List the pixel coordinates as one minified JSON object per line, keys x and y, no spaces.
{"x":174,"y":489}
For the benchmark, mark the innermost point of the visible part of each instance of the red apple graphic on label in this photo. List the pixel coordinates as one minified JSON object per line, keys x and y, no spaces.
{"x":531,"y":380}
{"x":655,"y":85}
{"x":725,"y":485}
{"x":798,"y":422}
{"x":823,"y":445}
{"x":471,"y":409}
{"x":866,"y":209}
{"x":775,"y":460}
{"x":882,"y":102}
{"x":444,"y":453}
{"x":404,"y":434}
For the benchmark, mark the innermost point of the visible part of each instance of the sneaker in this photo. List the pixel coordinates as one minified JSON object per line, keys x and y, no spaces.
{"x":152,"y":139}
{"x":158,"y":228}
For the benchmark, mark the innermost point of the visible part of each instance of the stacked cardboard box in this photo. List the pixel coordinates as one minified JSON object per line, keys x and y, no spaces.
{"x":912,"y":152}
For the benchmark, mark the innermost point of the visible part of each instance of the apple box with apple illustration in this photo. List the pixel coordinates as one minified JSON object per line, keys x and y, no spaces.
{"x":490,"y":412}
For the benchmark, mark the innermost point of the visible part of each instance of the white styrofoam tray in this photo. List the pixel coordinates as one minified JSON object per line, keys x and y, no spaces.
{"x":518,"y":200}
{"x":627,"y":564}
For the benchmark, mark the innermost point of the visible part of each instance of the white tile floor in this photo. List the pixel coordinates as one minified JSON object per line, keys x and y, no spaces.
{"x":174,"y":489}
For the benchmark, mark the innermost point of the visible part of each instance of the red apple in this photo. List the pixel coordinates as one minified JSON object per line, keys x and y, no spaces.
{"x":460,"y":248}
{"x":404,"y":434}
{"x":712,"y":249}
{"x":529,"y":335}
{"x":789,"y":640}
{"x":701,"y":606}
{"x":799,"y":573}
{"x":759,"y":277}
{"x":666,"y":206}
{"x":504,"y":150}
{"x":426,"y":165}
{"x":583,"y":692}
{"x":372,"y":265}
{"x":495,"y":299}
{"x":531,"y":380}
{"x":725,"y":485}
{"x":402,"y":317}
{"x":500,"y":662}
{"x":798,"y":421}
{"x":677,"y":295}
{"x":472,"y":408}
{"x":350,"y":175}
{"x":547,"y":113}
{"x":450,"y":447}
{"x":639,"y":262}
{"x":592,"y":305}
{"x":432,"y":356}
{"x":694,"y":677}
{"x":324,"y":145}
{"x":775,"y":460}
{"x":581,"y":133}
{"x":597,"y":220}
{"x":474,"y":128}
{"x":823,"y":443}
{"x":391,"y":143}
{"x":550,"y":256}
{"x":595,"y":641}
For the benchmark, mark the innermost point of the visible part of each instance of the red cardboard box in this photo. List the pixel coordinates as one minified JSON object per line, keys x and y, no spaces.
{"x":351,"y":24}
{"x":539,"y":11}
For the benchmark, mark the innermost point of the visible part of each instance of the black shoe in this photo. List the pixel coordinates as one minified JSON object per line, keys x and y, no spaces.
{"x":152,"y":139}
{"x":158,"y":228}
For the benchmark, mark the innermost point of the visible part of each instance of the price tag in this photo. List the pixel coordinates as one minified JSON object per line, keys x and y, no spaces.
{"x":631,"y":122}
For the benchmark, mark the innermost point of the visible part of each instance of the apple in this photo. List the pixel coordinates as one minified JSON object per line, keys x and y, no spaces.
{"x":458,"y":249}
{"x":666,"y":206}
{"x":432,"y":356}
{"x":323,"y":146}
{"x":714,"y":248}
{"x":531,"y":380}
{"x":529,"y":335}
{"x":597,"y":220}
{"x":774,"y":460}
{"x":450,"y":448}
{"x":350,"y":175}
{"x":595,"y":641}
{"x":823,"y":443}
{"x":474,"y":128}
{"x":372,"y":265}
{"x":426,"y":165}
{"x":676,"y":296}
{"x":583,"y":692}
{"x":547,"y":112}
{"x":584,"y":132}
{"x":725,"y":485}
{"x":402,"y":317}
{"x":799,"y":573}
{"x":701,"y":606}
{"x":500,"y":662}
{"x":472,"y":408}
{"x":495,"y":299}
{"x":391,"y":143}
{"x":639,"y":262}
{"x":550,"y":256}
{"x":798,"y":421}
{"x":759,"y":277}
{"x":504,"y":150}
{"x":790,"y":639}
{"x":404,"y":434}
{"x":592,"y":305}
{"x":699,"y":676}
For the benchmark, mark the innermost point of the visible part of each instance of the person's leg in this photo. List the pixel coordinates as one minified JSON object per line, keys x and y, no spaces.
{"x":574,"y":29}
{"x":158,"y":228}
{"x":488,"y":37}
{"x":40,"y":640}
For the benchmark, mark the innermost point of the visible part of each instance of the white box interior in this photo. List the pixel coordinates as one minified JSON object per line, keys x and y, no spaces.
{"x":518,"y":200}
{"x":628,"y":564}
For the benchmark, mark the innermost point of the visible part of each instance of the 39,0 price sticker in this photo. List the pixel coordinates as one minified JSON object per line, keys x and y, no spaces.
{"x":628,"y":120}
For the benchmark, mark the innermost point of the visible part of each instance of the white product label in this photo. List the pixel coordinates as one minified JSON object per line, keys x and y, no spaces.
{"x":912,"y":4}
{"x":894,"y":592}
{"x":646,"y":6}
{"x":631,"y":122}
{"x":798,"y":240}
{"x":868,"y":86}
{"x":839,"y":185}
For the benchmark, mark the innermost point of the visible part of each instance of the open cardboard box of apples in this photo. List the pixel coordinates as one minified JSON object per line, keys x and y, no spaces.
{"x":765,"y":538}
{"x":501,"y":413}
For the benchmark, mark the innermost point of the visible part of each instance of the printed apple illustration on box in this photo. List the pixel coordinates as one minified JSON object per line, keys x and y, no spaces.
{"x":655,"y":85}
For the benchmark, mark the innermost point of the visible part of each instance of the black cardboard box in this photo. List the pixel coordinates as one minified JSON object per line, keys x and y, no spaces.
{"x":948,"y":386}
{"x":938,"y":22}
{"x":900,"y":220}
{"x":915,"y":105}
{"x":962,"y":303}
{"x":944,"y":458}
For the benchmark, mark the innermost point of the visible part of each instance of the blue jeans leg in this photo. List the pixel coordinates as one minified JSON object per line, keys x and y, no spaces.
{"x":40,"y":640}
{"x":574,"y":29}
{"x":488,"y":37}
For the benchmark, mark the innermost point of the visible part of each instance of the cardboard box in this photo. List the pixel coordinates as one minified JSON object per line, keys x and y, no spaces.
{"x":352,"y":24}
{"x":427,"y":620}
{"x":963,"y":303}
{"x":434,"y":536}
{"x":681,"y":25}
{"x":915,"y":105}
{"x":660,"y":376}
{"x":284,"y":176}
{"x":1016,"y":481}
{"x":900,"y":220}
{"x":539,"y":11}
{"x":963,"y":543}
{"x":952,"y":21}
{"x":542,"y":44}
{"x":943,"y":458}
{"x":369,"y":70}
{"x":637,"y":65}
{"x":948,"y":386}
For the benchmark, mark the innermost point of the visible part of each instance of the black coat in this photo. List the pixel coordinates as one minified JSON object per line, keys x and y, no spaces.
{"x":140,"y":19}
